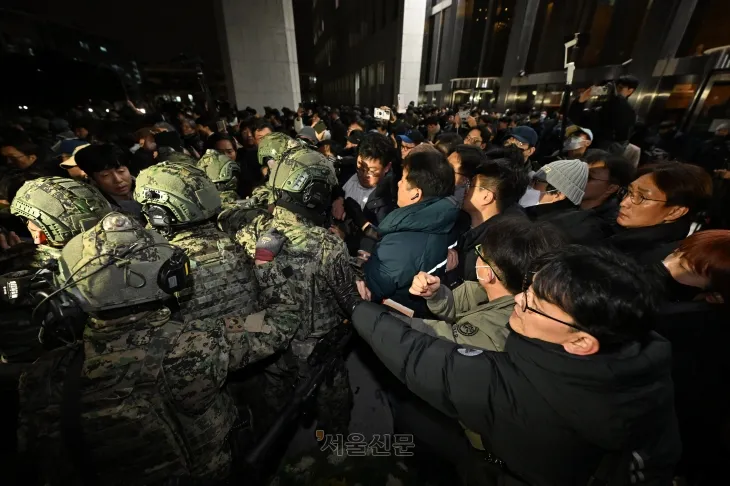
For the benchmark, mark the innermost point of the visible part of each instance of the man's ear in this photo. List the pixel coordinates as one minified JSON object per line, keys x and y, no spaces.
{"x":582,"y":344}
{"x":531,"y":151}
{"x":387,"y":168}
{"x":489,"y":197}
{"x":675,"y":213}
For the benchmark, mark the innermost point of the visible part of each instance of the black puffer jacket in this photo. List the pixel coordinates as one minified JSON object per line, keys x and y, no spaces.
{"x":578,"y":225}
{"x":651,"y":244}
{"x":551,"y":416}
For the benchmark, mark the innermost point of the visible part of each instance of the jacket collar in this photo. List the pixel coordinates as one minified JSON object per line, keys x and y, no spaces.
{"x":433,"y":215}
{"x":660,"y":233}
{"x":556,"y":207}
{"x":503,"y":302}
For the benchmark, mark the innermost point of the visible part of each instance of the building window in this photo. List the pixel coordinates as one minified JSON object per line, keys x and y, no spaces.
{"x":381,"y":72}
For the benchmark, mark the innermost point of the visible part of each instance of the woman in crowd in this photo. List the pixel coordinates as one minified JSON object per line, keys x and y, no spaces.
{"x":694,"y":319}
{"x":658,"y":209}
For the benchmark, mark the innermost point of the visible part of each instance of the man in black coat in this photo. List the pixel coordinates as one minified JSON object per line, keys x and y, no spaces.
{"x":582,"y":390}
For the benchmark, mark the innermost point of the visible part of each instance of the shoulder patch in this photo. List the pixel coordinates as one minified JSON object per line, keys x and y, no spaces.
{"x":467,"y":329}
{"x":470,"y":352}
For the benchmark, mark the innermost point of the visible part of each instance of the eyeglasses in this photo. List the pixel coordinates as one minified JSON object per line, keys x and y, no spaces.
{"x":526,"y":284}
{"x":636,"y":197}
{"x":364,"y":169}
{"x":472,"y":140}
{"x":480,"y":254}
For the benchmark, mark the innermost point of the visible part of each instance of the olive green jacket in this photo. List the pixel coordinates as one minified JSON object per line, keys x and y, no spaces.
{"x":465,"y":316}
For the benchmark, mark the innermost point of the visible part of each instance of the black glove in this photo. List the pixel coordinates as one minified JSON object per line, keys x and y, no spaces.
{"x":354,"y":212}
{"x":342,"y":283}
{"x":269,"y":245}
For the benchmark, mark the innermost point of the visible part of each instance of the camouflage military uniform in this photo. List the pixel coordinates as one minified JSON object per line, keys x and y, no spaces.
{"x":223,"y":172}
{"x":61,"y":208}
{"x":152,"y":399}
{"x":223,"y":278}
{"x":310,"y":253}
{"x":152,"y":406}
{"x":181,"y":202}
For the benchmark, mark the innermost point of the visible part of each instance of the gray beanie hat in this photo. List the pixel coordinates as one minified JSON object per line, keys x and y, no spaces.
{"x":567,"y":176}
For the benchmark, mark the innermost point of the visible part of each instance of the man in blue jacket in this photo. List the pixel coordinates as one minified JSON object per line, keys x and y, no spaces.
{"x":415,"y":237}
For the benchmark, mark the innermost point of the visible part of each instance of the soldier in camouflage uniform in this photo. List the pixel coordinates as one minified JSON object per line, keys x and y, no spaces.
{"x":56,"y":209}
{"x":179,"y":201}
{"x":311,"y":259}
{"x":272,"y":148}
{"x":223,"y":172}
{"x":151,"y":405}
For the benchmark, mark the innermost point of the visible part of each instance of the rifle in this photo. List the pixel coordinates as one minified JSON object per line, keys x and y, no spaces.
{"x":321,"y":361}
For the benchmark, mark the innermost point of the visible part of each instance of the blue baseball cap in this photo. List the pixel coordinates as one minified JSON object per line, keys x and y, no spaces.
{"x":66,"y":147}
{"x":412,"y":136}
{"x":525,"y":135}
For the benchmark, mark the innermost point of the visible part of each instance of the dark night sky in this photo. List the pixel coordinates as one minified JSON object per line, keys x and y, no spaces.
{"x":148,"y":30}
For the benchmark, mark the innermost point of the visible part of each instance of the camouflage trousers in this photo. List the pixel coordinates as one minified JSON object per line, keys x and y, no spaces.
{"x":269,"y":391}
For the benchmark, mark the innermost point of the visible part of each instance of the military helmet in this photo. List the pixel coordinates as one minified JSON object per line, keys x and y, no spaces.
{"x":299,"y":168}
{"x":219,"y":167}
{"x":187,"y":194}
{"x":61,"y":207}
{"x":118,"y":263}
{"x":274,"y":145}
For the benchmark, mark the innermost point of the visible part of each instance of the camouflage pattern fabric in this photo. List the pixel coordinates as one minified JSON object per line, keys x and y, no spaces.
{"x":27,"y":256}
{"x":181,"y":158}
{"x":229,"y":197}
{"x":152,"y":401}
{"x":132,"y":281}
{"x":274,"y":146}
{"x":306,"y":262}
{"x":242,"y":213}
{"x":223,"y":171}
{"x":224,"y":283}
{"x":61,"y":207}
{"x":184,"y":190}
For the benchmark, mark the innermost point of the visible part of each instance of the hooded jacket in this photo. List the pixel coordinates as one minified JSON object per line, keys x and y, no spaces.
{"x":551,"y":416}
{"x":412,"y":239}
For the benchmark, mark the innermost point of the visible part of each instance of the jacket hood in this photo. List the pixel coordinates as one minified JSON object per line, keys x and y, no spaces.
{"x":434,"y":216}
{"x":603,"y":397}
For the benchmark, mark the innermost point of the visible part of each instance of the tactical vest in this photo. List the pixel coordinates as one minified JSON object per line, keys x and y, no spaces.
{"x":223,"y":280}
{"x":132,"y":429}
{"x":297,"y":269}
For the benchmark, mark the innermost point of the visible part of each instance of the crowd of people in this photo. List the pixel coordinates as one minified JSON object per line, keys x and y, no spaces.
{"x":549,"y":292}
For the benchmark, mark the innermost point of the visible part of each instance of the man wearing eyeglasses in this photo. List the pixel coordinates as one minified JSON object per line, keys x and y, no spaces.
{"x":582,"y":392}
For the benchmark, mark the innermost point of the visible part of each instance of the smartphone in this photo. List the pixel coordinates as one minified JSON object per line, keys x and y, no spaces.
{"x":221,"y":126}
{"x":381,"y":114}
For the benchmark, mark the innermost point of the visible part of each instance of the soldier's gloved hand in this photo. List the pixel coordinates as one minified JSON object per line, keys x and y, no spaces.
{"x":342,"y":282}
{"x":354,"y":212}
{"x":268,"y":246}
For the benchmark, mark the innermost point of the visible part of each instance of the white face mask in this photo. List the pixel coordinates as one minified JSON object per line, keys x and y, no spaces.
{"x":573,"y":143}
{"x":484,"y":279}
{"x":531,"y":198}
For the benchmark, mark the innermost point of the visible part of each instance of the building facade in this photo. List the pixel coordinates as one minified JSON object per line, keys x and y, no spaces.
{"x":367,"y":53}
{"x":499,"y":54}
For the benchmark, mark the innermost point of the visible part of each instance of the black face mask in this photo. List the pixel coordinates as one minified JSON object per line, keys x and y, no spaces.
{"x":673,"y":290}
